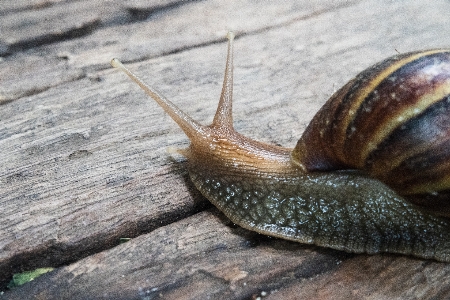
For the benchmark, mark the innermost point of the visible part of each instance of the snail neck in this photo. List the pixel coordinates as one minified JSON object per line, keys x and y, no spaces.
{"x":228,"y":151}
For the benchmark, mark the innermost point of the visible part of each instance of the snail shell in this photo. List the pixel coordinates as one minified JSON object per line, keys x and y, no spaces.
{"x":350,"y":180}
{"x":393,"y":122}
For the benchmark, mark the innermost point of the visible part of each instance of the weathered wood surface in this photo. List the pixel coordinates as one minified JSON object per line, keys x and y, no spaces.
{"x":84,"y":151}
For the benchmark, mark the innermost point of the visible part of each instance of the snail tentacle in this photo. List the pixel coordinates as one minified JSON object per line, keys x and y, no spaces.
{"x":224,"y":113}
{"x":189,"y":125}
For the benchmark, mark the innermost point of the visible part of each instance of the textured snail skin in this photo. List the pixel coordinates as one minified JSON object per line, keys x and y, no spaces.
{"x":340,"y":211}
{"x":293,"y":195}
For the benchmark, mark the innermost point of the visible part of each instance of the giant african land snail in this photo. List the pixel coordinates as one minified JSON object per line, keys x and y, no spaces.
{"x":381,"y":143}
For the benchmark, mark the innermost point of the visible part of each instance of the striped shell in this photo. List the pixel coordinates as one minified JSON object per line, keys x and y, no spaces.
{"x":393,"y":122}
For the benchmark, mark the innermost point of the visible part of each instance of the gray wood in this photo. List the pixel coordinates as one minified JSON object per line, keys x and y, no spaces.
{"x":85,"y":161}
{"x":199,"y":257}
{"x":168,"y":31}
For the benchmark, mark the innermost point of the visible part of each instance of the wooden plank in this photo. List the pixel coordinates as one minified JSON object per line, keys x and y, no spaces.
{"x":38,"y":73}
{"x":375,"y":277}
{"x":85,"y":162}
{"x":200,"y":257}
{"x":168,"y":32}
{"x":7,"y":7}
{"x":43,"y":24}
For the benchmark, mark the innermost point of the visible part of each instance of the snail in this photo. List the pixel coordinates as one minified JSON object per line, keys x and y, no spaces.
{"x":370,"y":174}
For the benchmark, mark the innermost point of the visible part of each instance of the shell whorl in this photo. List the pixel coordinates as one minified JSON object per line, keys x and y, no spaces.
{"x":392,"y":121}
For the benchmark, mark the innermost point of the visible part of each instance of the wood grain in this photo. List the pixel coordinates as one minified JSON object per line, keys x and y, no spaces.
{"x":84,"y":151}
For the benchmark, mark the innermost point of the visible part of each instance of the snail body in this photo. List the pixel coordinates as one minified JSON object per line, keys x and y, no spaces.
{"x":338,"y":187}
